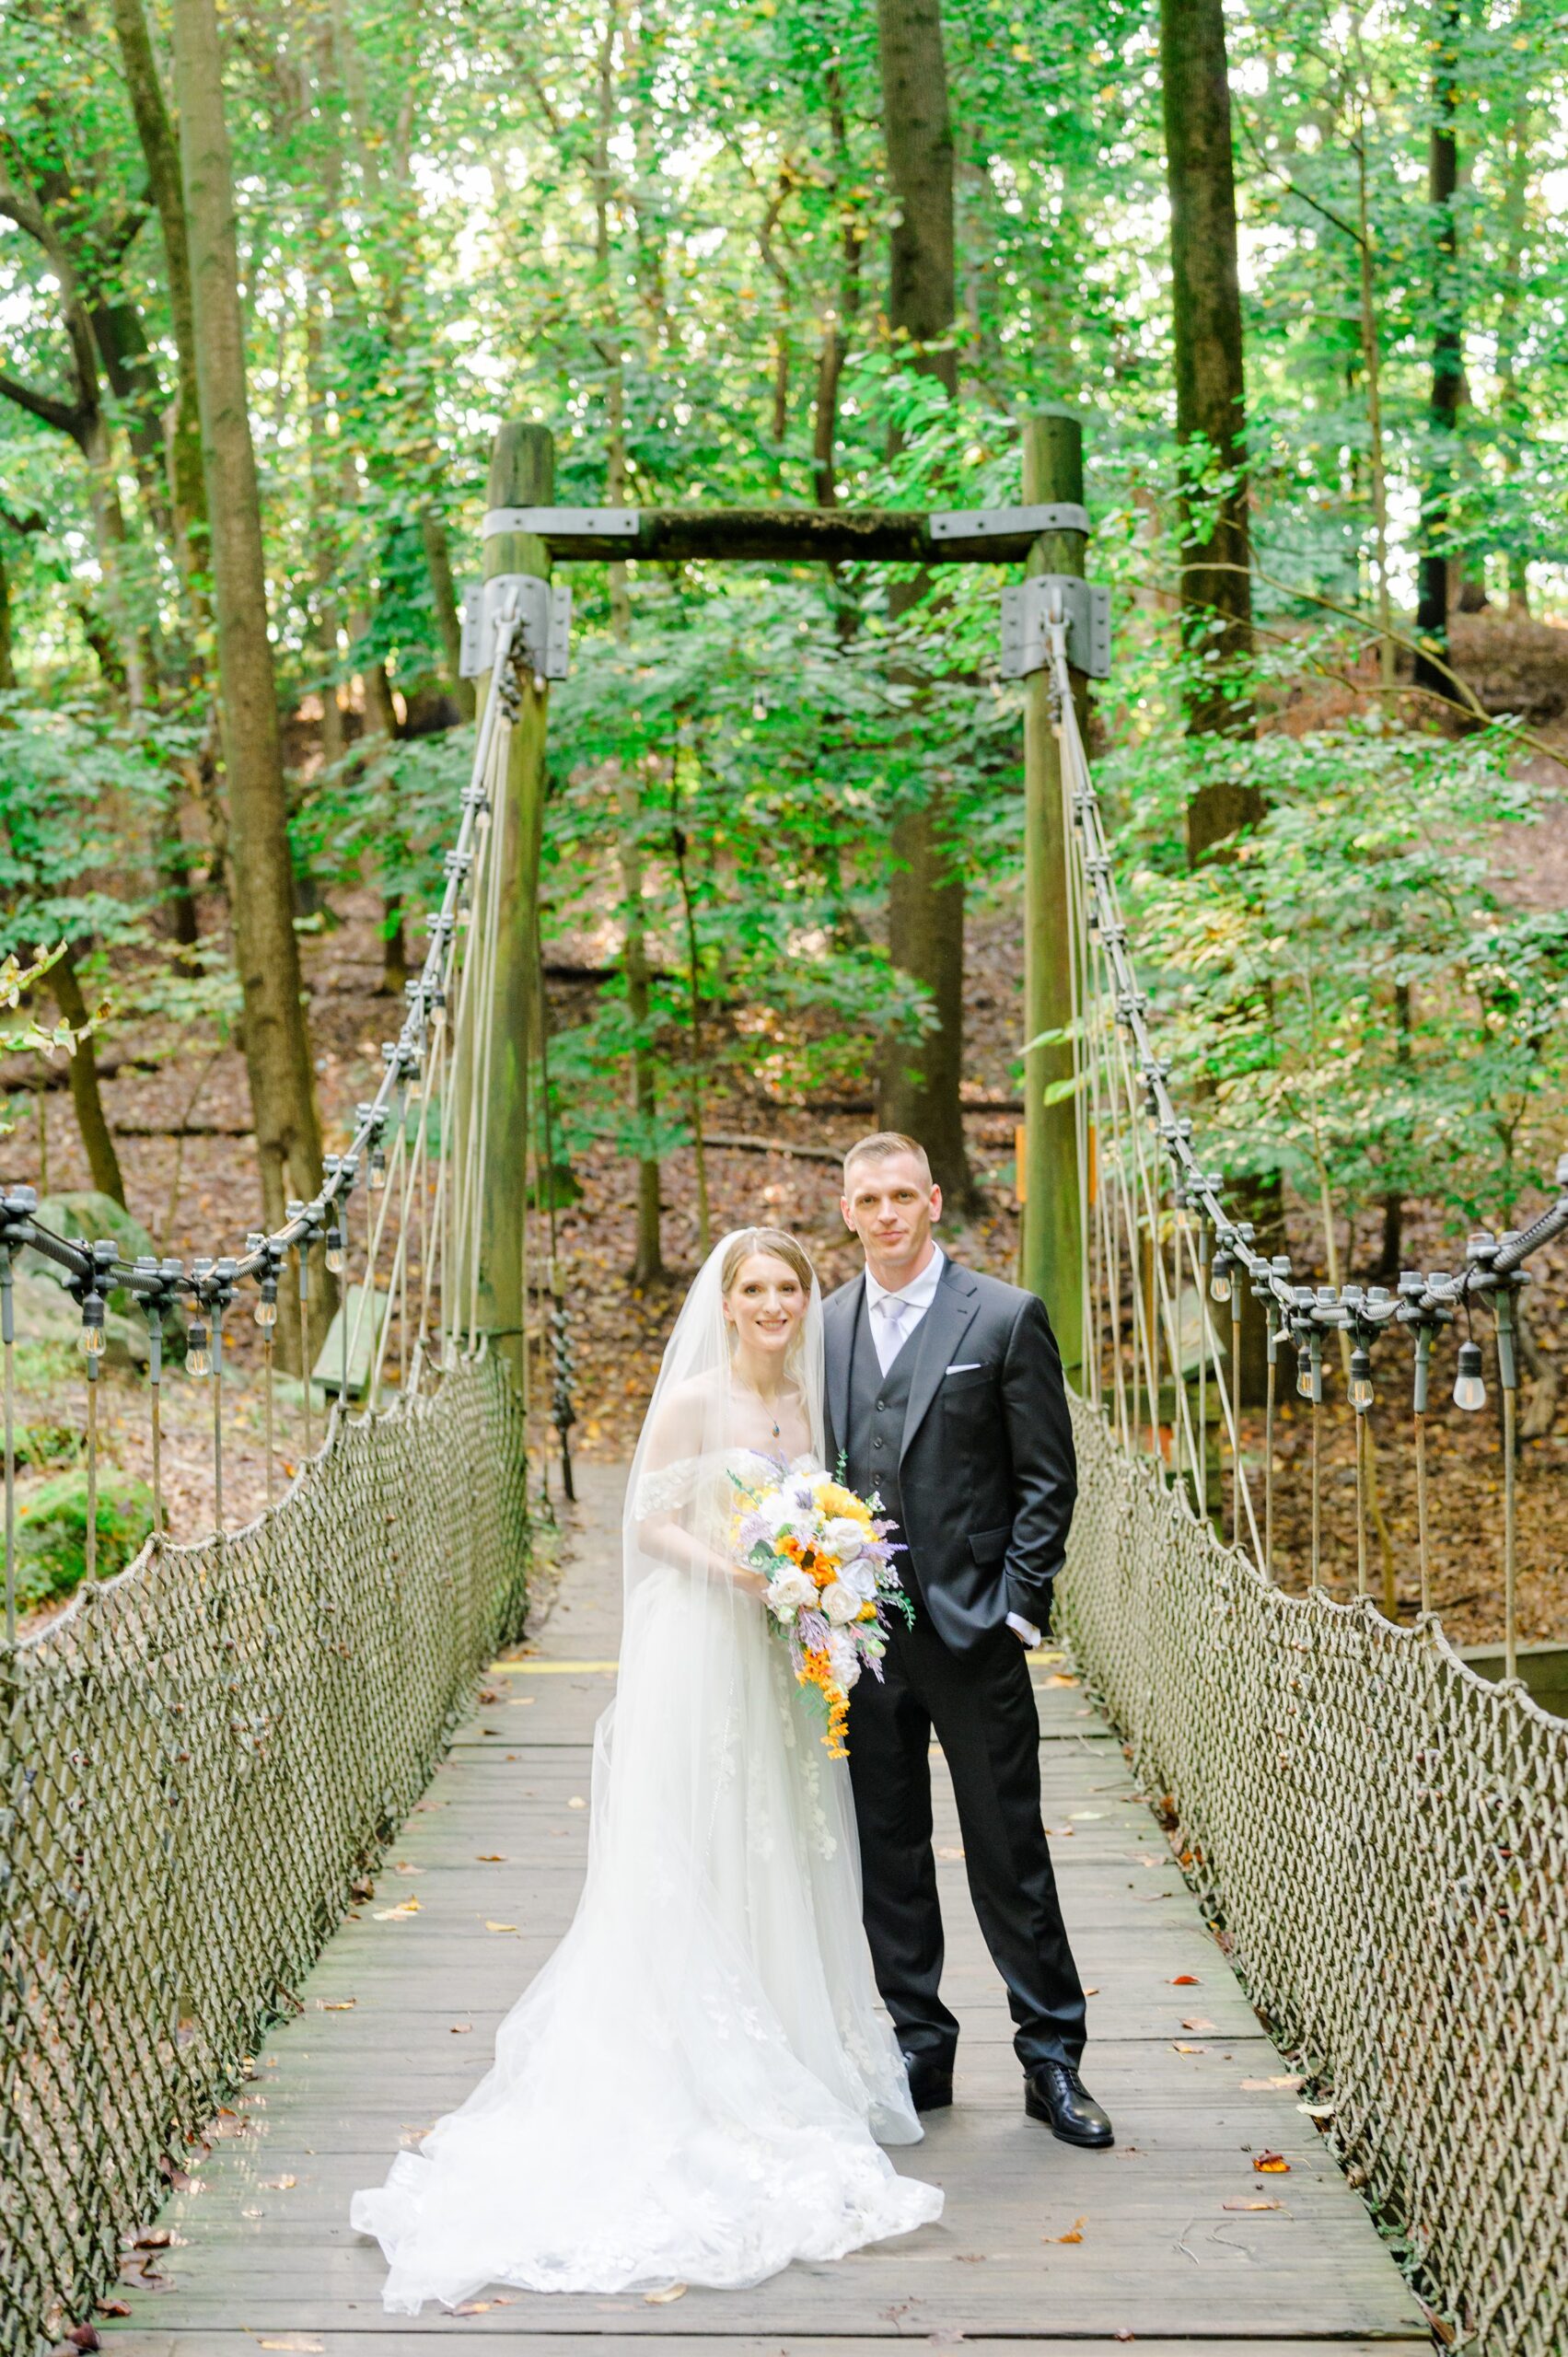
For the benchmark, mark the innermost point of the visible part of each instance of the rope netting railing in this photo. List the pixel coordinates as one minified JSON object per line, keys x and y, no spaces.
{"x":201,"y":1757}
{"x":1381,"y":1833}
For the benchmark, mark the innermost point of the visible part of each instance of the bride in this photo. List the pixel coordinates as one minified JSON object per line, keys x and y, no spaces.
{"x":695,"y":2087}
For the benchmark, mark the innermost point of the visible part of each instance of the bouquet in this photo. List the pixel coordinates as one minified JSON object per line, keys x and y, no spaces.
{"x":826,"y":1557}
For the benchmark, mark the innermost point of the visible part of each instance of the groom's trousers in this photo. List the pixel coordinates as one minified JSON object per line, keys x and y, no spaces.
{"x":982,"y":1709}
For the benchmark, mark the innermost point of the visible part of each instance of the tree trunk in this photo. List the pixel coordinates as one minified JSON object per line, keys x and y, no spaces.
{"x":443,"y":591}
{"x":921,"y":267}
{"x":1210,"y":402}
{"x":7,"y":659}
{"x":1442,"y":409}
{"x":277,"y":1048}
{"x":1512,"y":410}
{"x":161,"y":153}
{"x":102,"y":1160}
{"x":919,"y":1084}
{"x":1211,"y":427}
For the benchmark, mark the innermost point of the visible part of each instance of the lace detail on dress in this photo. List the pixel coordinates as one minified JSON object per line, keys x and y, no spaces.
{"x":668,"y":1487}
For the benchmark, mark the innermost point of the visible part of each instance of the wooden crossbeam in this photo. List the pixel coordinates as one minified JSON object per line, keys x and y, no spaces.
{"x":793,"y":536}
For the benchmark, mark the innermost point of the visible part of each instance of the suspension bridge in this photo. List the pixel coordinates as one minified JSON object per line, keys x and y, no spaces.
{"x":272,"y":1875}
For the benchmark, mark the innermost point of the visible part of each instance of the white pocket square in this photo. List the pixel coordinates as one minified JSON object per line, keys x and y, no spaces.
{"x":968,"y":1366}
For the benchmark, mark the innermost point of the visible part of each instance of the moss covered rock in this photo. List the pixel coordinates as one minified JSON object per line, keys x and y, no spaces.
{"x":51,"y":1530}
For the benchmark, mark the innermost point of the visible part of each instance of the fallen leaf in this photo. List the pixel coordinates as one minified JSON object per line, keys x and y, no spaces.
{"x":577,"y":1801}
{"x":396,"y":1914}
{"x":156,"y":2239}
{"x":1290,"y":2080}
{"x":1251,"y":2205}
{"x":1182,"y":2046}
{"x":1124,"y":2332}
{"x":1318,"y":2110}
{"x":1091,"y":1992}
{"x":949,"y":1853}
{"x":277,"y":2183}
{"x":303,"y":2341}
{"x":1270,"y":2163}
{"x":402,"y":1867}
{"x":662,"y":2299}
{"x":339,"y":2005}
{"x":1197,"y":2022}
{"x":1075,"y":2233}
{"x":500,"y":1927}
{"x":489,"y":1858}
{"x":1059,"y":1678}
{"x":461,"y":2029}
{"x":1184,"y":1981}
{"x":114,"y":2308}
{"x":83,"y":2336}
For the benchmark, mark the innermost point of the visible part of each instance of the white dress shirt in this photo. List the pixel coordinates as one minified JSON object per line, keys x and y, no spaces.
{"x":894,"y":1316}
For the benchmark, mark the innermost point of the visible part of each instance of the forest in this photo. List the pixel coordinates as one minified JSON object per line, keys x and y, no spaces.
{"x":271,"y":279}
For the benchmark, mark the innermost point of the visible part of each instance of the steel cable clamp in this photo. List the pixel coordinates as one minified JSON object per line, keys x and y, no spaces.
{"x":543,"y":630}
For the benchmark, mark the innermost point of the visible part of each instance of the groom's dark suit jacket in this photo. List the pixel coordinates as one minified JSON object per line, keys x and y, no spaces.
{"x":985,"y":1475}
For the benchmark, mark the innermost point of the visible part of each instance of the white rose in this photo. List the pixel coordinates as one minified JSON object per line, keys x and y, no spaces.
{"x":788,"y":1592}
{"x":841,"y":1603}
{"x":779,"y":1511}
{"x":843,"y":1658}
{"x":843,"y":1538}
{"x":861,"y":1578}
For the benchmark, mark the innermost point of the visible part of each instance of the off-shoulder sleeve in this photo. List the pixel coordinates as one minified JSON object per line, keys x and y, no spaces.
{"x":665,"y":1488}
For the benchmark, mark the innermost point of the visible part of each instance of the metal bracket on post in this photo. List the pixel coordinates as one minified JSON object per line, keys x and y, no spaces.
{"x":1029,"y":607}
{"x":544,"y":632}
{"x":565,"y":523}
{"x":991,"y":523}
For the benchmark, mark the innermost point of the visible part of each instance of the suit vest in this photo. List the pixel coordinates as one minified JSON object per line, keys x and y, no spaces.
{"x":877,"y":1402}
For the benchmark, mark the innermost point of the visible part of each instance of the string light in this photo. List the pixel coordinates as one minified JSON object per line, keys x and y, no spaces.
{"x":1360,"y":1384}
{"x":1469,"y":1388}
{"x":92,"y":1337}
{"x":198,"y":1350}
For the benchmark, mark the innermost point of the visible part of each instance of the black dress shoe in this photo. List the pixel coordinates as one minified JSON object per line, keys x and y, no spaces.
{"x":1054,"y":2093}
{"x":931,"y":2083}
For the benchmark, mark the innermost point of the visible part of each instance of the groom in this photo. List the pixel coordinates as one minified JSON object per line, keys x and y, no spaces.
{"x":944,"y":1393}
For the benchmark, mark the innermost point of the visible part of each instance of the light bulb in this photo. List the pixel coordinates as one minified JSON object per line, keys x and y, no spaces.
{"x":1360,"y":1382}
{"x":198,"y":1357}
{"x":267,"y":1310}
{"x":1469,"y":1391}
{"x":335,"y":1252}
{"x":1304,"y":1373}
{"x":91,"y":1339}
{"x":1219,"y":1284}
{"x":378,"y":1171}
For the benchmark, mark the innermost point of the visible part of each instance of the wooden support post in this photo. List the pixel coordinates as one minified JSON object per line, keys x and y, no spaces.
{"x":1051,"y":1259}
{"x":522,"y":474}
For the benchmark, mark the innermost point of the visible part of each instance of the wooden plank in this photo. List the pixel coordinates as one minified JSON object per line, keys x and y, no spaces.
{"x":450,"y":2333}
{"x":373,"y":2061}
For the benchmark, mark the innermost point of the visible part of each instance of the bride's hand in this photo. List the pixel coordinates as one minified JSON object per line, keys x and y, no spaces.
{"x":749,"y":1582}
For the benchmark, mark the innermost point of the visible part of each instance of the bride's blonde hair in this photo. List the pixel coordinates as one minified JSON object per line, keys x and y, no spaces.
{"x":766,"y":1239}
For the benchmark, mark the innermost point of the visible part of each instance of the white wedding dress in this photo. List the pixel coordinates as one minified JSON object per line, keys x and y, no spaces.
{"x":694,"y":2088}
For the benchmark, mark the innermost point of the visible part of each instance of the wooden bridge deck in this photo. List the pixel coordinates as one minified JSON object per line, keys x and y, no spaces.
{"x":1161,"y":2240}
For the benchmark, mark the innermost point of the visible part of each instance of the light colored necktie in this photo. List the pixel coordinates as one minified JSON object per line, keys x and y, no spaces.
{"x":892,"y":1311}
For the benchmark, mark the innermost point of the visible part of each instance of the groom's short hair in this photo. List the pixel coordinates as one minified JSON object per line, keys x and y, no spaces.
{"x":880,"y":1147}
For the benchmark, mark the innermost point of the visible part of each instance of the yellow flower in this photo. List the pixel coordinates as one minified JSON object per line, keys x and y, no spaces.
{"x":837,"y":1502}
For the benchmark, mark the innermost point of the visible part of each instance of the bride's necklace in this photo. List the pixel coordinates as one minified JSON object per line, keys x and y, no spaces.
{"x":761,"y":1403}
